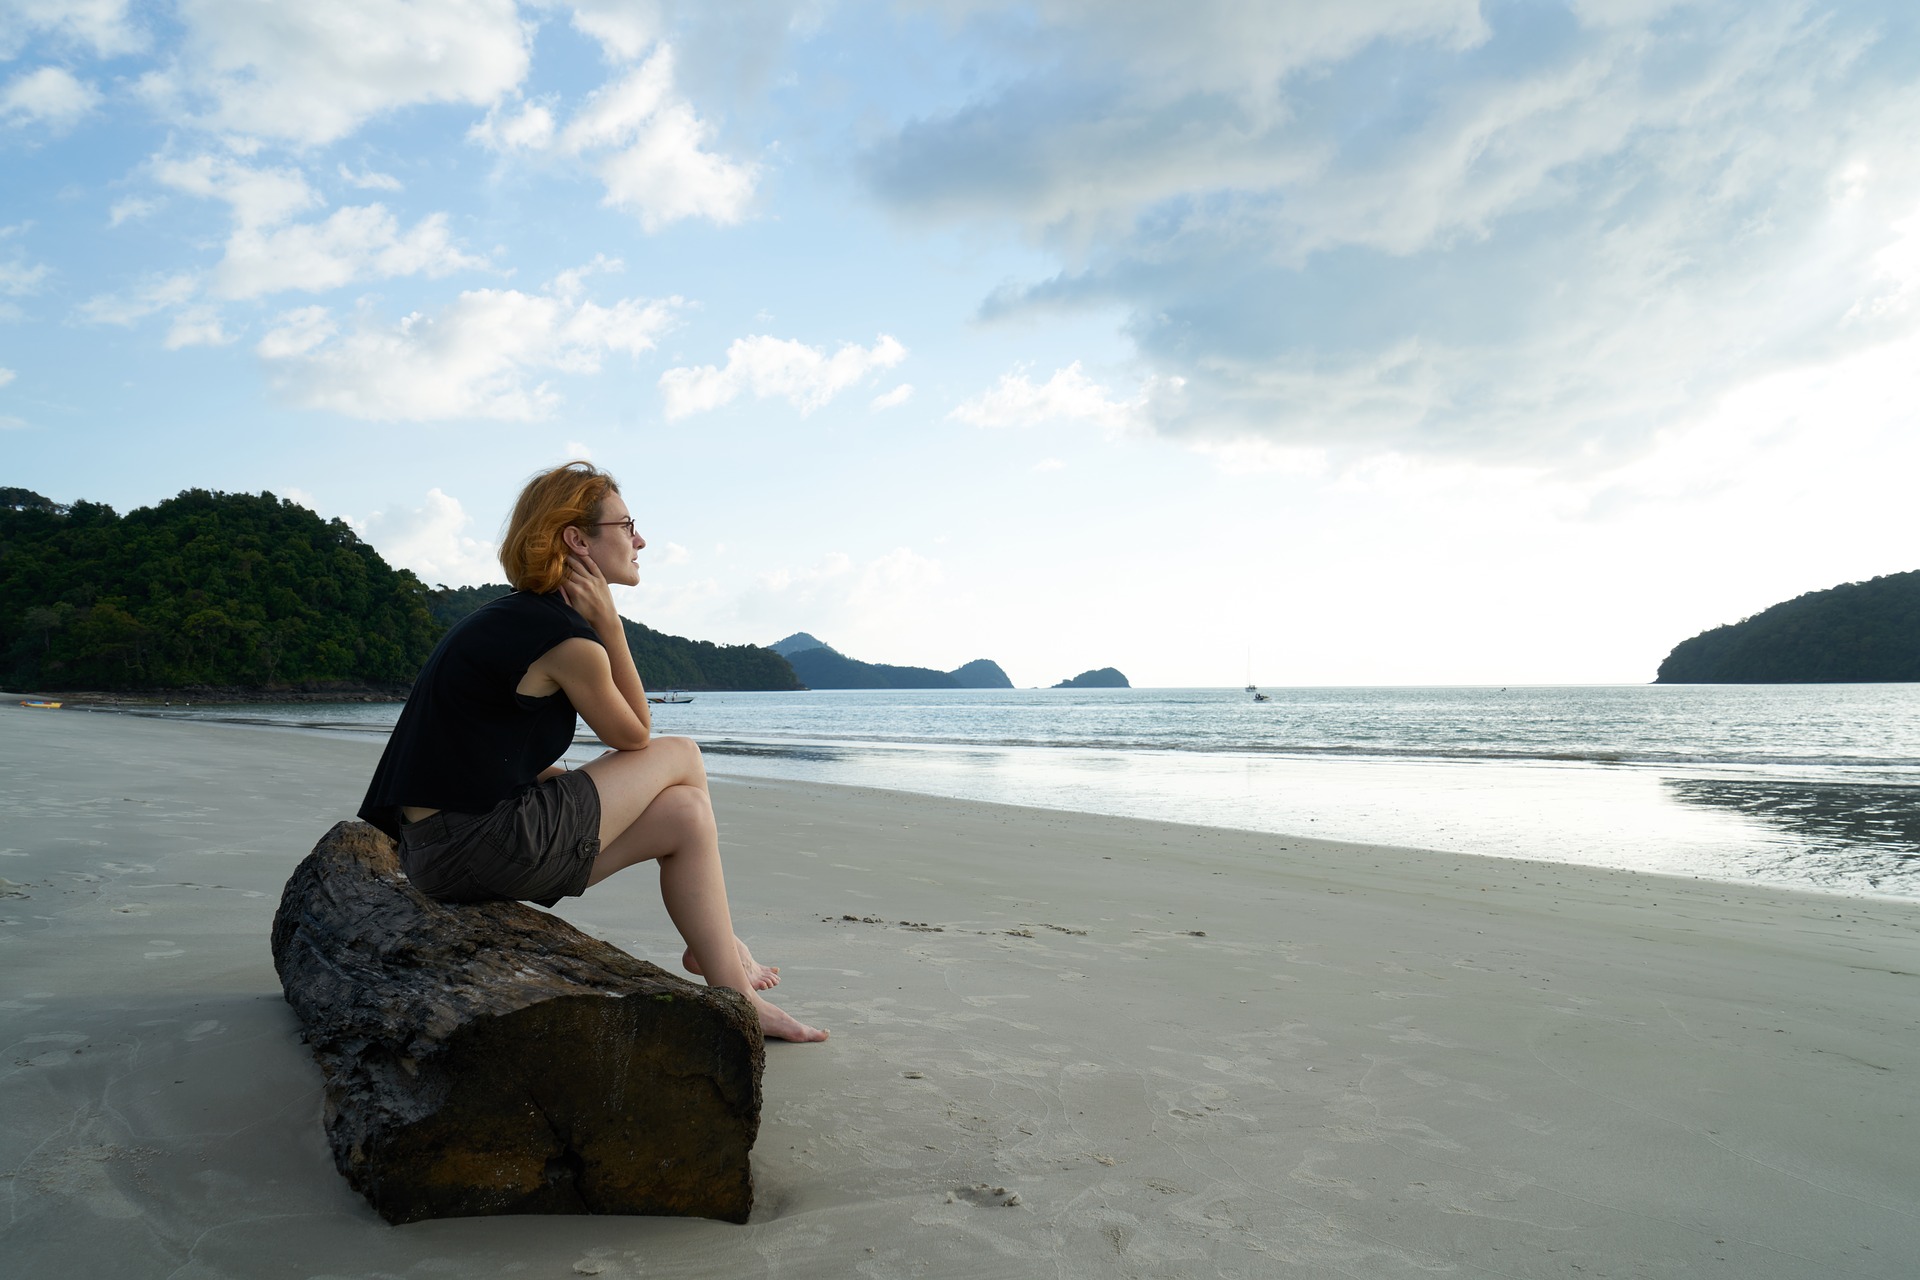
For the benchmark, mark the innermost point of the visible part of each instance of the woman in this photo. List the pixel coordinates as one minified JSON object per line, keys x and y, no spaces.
{"x":468,"y":783}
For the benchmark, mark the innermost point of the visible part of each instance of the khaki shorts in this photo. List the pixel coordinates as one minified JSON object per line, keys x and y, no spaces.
{"x":537,"y":846}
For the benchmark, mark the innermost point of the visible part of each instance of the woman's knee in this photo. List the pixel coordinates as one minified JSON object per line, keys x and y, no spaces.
{"x":680,"y":758}
{"x":683,"y":804}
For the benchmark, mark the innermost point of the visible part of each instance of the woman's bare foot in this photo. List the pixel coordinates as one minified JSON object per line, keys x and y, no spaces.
{"x":763,"y":976}
{"x":777,"y":1024}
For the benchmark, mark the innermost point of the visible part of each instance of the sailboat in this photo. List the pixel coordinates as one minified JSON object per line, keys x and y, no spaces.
{"x":1253,"y":688}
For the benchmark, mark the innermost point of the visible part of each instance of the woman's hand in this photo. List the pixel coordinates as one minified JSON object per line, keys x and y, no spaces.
{"x":586,"y":589}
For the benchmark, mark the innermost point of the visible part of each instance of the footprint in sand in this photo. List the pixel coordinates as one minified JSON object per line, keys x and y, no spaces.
{"x":984,"y":1196}
{"x":168,"y":954}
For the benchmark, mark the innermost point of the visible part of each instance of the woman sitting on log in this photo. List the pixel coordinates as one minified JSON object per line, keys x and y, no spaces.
{"x":469,"y":785}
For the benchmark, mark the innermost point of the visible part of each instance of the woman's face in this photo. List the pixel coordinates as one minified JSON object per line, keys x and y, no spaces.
{"x":610,"y":546}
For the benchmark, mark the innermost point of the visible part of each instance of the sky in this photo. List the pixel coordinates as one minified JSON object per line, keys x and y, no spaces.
{"x":1385,"y":342}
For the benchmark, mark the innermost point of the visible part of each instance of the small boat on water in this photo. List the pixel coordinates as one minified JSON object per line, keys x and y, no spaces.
{"x":675,"y":696}
{"x":52,"y":706}
{"x":1260,"y":697}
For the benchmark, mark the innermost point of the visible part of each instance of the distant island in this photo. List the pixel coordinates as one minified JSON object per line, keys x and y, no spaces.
{"x":821,"y":666}
{"x":1103,"y":678}
{"x":250,"y":595}
{"x":1858,"y":632}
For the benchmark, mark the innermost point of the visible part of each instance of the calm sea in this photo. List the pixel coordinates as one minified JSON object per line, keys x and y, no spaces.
{"x":1806,"y":785}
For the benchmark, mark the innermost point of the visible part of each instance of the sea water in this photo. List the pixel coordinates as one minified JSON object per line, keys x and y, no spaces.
{"x":1812,"y":786}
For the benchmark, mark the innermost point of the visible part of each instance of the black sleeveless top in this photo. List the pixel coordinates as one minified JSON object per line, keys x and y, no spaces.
{"x":465,"y":741}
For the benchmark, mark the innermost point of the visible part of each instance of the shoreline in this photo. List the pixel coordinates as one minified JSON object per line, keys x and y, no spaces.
{"x":218,"y":695}
{"x":1840,"y":837}
{"x":1186,"y":1050}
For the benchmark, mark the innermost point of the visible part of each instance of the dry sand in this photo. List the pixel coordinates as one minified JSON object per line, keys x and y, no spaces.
{"x":1180,"y":1051}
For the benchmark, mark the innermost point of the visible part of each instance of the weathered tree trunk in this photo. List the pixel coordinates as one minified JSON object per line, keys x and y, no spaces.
{"x":493,"y":1059}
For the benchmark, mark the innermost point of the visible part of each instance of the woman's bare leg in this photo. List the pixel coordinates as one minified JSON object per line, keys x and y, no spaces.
{"x":764,"y":977}
{"x":674,"y":826}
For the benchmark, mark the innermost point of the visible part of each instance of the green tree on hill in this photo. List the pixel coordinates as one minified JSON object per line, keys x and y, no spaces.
{"x":202,"y":589}
{"x":1858,"y":632}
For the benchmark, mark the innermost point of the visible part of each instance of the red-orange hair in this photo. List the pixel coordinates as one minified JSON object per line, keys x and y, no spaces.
{"x":532,"y":552}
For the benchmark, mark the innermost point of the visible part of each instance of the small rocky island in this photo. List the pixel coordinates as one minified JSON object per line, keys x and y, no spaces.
{"x":1857,"y":633}
{"x":1102,"y":678}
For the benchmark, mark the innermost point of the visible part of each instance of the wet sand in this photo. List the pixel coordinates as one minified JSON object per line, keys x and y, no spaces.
{"x":1063,"y":1046}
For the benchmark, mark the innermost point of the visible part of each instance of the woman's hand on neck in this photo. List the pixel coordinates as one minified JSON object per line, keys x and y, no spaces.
{"x":590,"y":595}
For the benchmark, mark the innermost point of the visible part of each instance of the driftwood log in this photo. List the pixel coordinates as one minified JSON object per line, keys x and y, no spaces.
{"x":493,"y":1059}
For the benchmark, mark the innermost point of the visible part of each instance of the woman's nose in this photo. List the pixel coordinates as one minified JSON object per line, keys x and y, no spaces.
{"x":639,"y":543}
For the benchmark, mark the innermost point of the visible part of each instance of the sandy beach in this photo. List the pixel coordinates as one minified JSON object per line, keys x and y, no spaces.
{"x":1063,"y":1046}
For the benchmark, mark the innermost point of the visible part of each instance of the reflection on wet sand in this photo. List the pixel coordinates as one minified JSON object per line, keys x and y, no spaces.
{"x":777,"y":751}
{"x":1839,"y":835}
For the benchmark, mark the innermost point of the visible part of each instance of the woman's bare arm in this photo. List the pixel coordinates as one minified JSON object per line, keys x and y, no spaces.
{"x":599,"y":679}
{"x":584,"y":671}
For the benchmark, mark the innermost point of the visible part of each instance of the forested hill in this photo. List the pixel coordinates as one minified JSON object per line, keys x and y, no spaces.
{"x":202,"y":589}
{"x":822,"y":666}
{"x":1854,"y":633}
{"x":250,"y":592}
{"x":664,"y":661}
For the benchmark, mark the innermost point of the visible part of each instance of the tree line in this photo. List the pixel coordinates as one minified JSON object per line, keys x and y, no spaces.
{"x":252,"y":591}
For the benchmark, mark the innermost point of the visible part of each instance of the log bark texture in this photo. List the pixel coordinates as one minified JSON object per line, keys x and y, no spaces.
{"x":492,"y":1059}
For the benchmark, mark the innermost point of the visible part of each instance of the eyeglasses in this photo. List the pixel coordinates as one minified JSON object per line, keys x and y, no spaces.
{"x":626,"y":524}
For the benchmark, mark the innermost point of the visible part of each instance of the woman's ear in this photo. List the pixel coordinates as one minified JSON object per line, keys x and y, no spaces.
{"x":573,"y":540}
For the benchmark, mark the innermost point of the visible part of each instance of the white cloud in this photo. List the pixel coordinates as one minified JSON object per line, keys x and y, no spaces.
{"x":100,"y":26}
{"x":10,"y":423}
{"x":369,"y":180}
{"x":355,"y":243}
{"x":51,"y":95}
{"x":571,"y":282}
{"x":626,"y":29}
{"x":258,"y":197}
{"x":671,"y":553}
{"x":131,"y":209}
{"x":478,"y":358}
{"x":298,"y":332}
{"x":266,"y":252}
{"x":432,"y":540}
{"x":6,"y":376}
{"x":807,"y":377}
{"x":649,"y":147}
{"x":637,"y":132}
{"x":1896,"y":272}
{"x":1049,"y":464}
{"x":528,"y":129}
{"x":19,"y":277}
{"x":898,"y":396}
{"x":310,"y":74}
{"x":1068,"y":396}
{"x":157,"y":294}
{"x":196,"y":327}
{"x":1435,"y":226}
